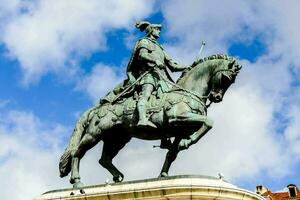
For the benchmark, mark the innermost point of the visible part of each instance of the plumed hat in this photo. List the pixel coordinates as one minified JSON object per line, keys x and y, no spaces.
{"x":144,"y":25}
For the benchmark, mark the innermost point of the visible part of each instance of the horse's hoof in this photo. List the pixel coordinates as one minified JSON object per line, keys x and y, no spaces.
{"x":163,"y":174}
{"x":82,"y":191}
{"x":118,"y":179}
{"x":77,"y":185}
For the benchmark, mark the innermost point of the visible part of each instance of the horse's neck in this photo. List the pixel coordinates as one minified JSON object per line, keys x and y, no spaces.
{"x":197,"y":79}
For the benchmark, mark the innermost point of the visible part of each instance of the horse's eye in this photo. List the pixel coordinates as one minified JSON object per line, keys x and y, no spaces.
{"x":226,"y":77}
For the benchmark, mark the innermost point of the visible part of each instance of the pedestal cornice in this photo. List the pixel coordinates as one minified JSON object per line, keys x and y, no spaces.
{"x":175,"y":187}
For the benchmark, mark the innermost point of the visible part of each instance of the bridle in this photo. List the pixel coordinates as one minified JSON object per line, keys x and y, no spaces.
{"x":213,"y":75}
{"x":222,"y":70}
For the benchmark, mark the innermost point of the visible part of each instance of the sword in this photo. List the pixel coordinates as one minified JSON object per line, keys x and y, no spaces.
{"x":198,"y":58}
{"x":130,"y":86}
{"x":200,"y":51}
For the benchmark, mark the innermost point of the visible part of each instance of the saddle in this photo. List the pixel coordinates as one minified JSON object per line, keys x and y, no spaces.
{"x":165,"y":101}
{"x":155,"y":104}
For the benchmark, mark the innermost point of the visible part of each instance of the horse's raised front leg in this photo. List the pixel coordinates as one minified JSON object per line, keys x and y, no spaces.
{"x":182,"y":115}
{"x":110,"y":150}
{"x":194,"y":138}
{"x":191,"y":118}
{"x":181,"y":144}
{"x":187,"y":118}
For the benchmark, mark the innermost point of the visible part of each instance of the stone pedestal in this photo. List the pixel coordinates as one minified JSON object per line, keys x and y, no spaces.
{"x":176,"y":187}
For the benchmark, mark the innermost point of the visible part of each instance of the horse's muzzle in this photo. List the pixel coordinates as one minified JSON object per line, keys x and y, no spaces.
{"x":215,"y":97}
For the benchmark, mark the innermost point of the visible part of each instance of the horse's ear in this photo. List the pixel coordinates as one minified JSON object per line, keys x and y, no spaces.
{"x":231,"y":64}
{"x":238,"y":68}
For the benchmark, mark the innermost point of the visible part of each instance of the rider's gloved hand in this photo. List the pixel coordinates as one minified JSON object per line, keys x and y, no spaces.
{"x":131,"y":78}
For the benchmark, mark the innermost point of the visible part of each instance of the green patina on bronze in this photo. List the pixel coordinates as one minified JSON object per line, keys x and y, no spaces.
{"x":148,"y":105}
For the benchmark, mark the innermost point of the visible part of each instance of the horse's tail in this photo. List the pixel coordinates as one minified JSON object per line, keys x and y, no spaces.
{"x":66,"y":158}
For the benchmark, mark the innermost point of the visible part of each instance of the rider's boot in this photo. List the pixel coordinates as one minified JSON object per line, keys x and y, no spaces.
{"x":143,"y":121}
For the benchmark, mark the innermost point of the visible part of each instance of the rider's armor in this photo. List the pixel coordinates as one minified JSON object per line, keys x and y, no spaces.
{"x":145,"y":61}
{"x":147,"y":74}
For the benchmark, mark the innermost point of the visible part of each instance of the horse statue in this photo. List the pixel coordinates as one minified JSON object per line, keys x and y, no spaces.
{"x":180,"y":114}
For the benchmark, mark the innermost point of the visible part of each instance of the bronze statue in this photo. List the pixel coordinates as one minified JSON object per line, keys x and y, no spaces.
{"x":150,"y":106}
{"x":147,"y":72}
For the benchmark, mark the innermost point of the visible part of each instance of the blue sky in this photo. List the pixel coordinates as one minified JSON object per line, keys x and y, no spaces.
{"x":57,"y":60}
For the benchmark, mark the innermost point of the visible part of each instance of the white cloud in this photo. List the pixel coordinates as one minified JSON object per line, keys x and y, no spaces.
{"x":137,"y":160}
{"x":244,"y":134}
{"x":285,"y":17}
{"x":260,"y":91}
{"x":30,"y":150}
{"x":211,"y":21}
{"x":292,"y":133}
{"x":100,"y":81}
{"x":262,"y":88}
{"x":240,"y":141}
{"x":8,"y":6}
{"x":49,"y":36}
{"x":29,"y":153}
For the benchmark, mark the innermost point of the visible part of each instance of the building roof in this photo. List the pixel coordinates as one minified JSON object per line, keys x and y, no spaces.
{"x":281,"y":195}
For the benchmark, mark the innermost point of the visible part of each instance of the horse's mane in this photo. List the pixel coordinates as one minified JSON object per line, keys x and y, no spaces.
{"x":202,"y":60}
{"x":213,"y":57}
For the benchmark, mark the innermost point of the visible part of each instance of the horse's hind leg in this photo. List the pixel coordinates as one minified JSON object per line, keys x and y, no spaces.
{"x":110,"y":150}
{"x":89,"y":140}
{"x":79,"y":153}
{"x":75,"y":177}
{"x":170,"y":157}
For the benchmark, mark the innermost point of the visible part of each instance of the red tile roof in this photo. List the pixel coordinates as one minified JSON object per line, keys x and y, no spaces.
{"x":280,"y":195}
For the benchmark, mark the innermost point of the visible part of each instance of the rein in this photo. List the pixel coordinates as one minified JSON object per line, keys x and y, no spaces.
{"x":191,"y":92}
{"x":199,"y":97}
{"x":222,"y":70}
{"x":181,"y":88}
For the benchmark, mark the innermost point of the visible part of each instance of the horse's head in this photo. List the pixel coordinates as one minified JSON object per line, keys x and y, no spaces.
{"x":222,"y":77}
{"x":211,"y":76}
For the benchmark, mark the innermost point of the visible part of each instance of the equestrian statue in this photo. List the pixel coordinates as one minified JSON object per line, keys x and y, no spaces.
{"x":149,"y":105}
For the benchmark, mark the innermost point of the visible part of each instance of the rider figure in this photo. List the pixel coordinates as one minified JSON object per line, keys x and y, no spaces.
{"x":150,"y":58}
{"x":146,"y":72}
